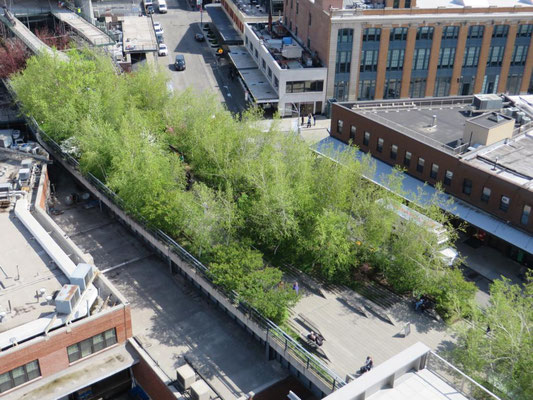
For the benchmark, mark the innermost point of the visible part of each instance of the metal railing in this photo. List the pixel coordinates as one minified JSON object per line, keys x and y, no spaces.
{"x":273,"y":332}
{"x":457,"y":379}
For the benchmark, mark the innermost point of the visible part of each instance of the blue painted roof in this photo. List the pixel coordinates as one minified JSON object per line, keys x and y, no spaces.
{"x":421,"y":193}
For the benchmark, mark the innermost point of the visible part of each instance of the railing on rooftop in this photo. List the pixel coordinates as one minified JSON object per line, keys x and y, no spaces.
{"x":457,"y":379}
{"x":273,"y":332}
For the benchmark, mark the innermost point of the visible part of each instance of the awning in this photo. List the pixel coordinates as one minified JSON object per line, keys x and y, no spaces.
{"x":228,"y":35}
{"x":421,"y":193}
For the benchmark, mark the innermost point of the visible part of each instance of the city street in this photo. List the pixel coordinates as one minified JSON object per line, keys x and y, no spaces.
{"x":203,"y":71}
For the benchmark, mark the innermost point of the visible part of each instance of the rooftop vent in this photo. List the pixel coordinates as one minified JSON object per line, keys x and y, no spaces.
{"x":487,"y":102}
{"x":496,"y":117}
{"x":67,"y":298}
{"x":83,"y":275}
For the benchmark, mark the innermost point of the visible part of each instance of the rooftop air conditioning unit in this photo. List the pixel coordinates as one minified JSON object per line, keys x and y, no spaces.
{"x":82,"y":275}
{"x":200,"y":391}
{"x":24,"y":174}
{"x":67,"y":298}
{"x":26,"y":163}
{"x":487,"y":102}
{"x":185,"y":376}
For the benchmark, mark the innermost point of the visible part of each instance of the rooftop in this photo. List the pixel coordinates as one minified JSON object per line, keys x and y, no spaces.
{"x":251,"y":8}
{"x":511,"y":159}
{"x":284,"y":48}
{"x":472,"y":3}
{"x":138,"y":35}
{"x":437,"y":122}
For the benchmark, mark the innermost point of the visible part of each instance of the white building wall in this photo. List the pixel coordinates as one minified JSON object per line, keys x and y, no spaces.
{"x":285,"y":75}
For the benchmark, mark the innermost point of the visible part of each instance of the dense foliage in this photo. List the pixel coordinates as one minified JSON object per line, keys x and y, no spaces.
{"x":229,"y":190}
{"x":497,"y":347}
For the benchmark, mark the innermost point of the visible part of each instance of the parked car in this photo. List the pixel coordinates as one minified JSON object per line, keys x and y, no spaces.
{"x":149,"y":9}
{"x":199,"y":37}
{"x":162,"y":6}
{"x":160,"y":39}
{"x":158,"y":28}
{"x":180,"y":62}
{"x":163,"y":50}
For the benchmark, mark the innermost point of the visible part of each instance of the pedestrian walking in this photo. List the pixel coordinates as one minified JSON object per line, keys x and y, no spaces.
{"x":309,"y":121}
{"x":314,"y":119}
{"x":302,"y":121}
{"x":295,"y":288}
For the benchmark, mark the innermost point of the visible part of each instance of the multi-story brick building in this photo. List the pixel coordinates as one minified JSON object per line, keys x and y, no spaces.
{"x":390,"y":49}
{"x":477,"y":148}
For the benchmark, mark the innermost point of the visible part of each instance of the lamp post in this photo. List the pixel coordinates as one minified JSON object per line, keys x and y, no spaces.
{"x":201,"y":4}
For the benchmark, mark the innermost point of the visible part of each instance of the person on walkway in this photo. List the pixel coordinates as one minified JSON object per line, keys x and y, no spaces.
{"x":369,"y":363}
{"x":314,"y":119}
{"x":302,"y":124}
{"x":311,"y":336}
{"x":295,"y":288}
{"x":319,"y":340}
{"x":309,"y":120}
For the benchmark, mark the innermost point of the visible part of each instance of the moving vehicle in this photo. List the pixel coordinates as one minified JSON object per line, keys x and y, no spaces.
{"x":180,"y":62}
{"x":162,"y":6}
{"x":163,"y":50}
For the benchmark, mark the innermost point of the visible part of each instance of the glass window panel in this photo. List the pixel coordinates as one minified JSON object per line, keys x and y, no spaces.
{"x":73,"y":352}
{"x":110,"y":337}
{"x":86,"y":347}
{"x":19,"y":376}
{"x":33,"y":370}
{"x":6,"y":382}
{"x":98,"y":342}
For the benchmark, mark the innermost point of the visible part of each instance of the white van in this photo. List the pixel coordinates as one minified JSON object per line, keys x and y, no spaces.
{"x":162,"y":6}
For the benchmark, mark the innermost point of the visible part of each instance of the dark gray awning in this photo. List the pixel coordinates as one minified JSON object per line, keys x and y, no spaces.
{"x":228,"y":34}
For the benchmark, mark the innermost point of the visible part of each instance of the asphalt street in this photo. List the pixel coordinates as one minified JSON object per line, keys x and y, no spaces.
{"x":204,"y":71}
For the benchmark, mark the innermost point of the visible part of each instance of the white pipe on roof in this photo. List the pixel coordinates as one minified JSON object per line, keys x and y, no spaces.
{"x":63,"y":261}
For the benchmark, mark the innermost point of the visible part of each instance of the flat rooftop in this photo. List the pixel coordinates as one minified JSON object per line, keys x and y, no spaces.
{"x":251,"y":8}
{"x":290,"y":55}
{"x":416,"y":119}
{"x":512,"y":160}
{"x":471,"y":3}
{"x":138,"y":35}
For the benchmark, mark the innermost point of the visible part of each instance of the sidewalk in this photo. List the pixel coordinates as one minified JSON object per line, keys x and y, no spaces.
{"x":310,"y":135}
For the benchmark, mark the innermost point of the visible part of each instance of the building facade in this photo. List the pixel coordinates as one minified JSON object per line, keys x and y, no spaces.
{"x":480,"y":157}
{"x":393,"y":49}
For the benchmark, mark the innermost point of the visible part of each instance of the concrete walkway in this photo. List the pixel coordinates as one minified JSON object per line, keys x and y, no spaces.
{"x":351,"y":335}
{"x":85,"y":29}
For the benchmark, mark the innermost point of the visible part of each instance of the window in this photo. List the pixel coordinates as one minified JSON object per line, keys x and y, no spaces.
{"x":421,"y":59}
{"x":504,"y":203}
{"x":372,"y":35}
{"x":485,"y":195}
{"x":292,"y":3}
{"x":417,"y":87}
{"x":339,"y":126}
{"x":296,"y":30}
{"x":369,"y":60}
{"x":500,"y":31}
{"x":393,"y":151}
{"x":407,"y":159}
{"x":442,"y":86}
{"x":495,"y":56}
{"x":92,"y":345}
{"x":379,"y":146}
{"x":519,"y":55}
{"x":424,"y":33}
{"x":304,"y":86}
{"x":446,"y":57}
{"x":345,"y":35}
{"x":276,"y":82}
{"x":264,"y":63}
{"x":269,"y":73}
{"x":256,"y":54}
{"x":19,"y":375}
{"x":251,"y":46}
{"x":476,"y":32}
{"x":367,"y":89}
{"x":309,"y":19}
{"x":398,"y":34}
{"x":308,"y":42}
{"x":246,"y":40}
{"x":524,"y":31}
{"x":395,"y":59}
{"x":344,"y":60}
{"x":525,"y":216}
{"x":352,"y":132}
{"x":366,"y":138}
{"x":396,"y":4}
{"x":434,"y":171}
{"x":471,"y":56}
{"x":448,"y":176}
{"x":450,"y":32}
{"x":420,"y":165}
{"x":297,"y":7}
{"x":340,"y":90}
{"x":392,"y":89}
{"x":467,"y":186}
{"x":407,"y":4}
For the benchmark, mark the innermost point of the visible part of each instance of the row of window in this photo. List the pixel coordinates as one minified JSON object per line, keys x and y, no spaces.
{"x":92,"y":345}
{"x":505,"y":201}
{"x":267,"y":70}
{"x":304,"y":86}
{"x":19,"y":375}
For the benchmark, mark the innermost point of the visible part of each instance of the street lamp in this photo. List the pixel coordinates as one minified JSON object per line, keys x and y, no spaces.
{"x":201,"y":4}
